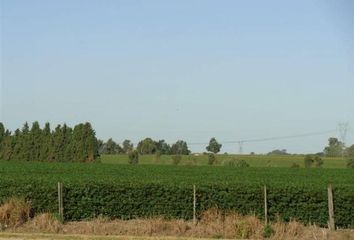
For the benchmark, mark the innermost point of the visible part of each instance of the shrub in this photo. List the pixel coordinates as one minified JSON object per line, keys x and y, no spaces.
{"x":268,"y":231}
{"x":242,"y":163}
{"x":295,"y":165}
{"x":133,"y":157}
{"x":176,"y":159}
{"x":308,"y":161}
{"x":157,"y":156}
{"x":211,"y":159}
{"x":14,"y":213}
{"x":318,"y":161}
{"x":350,"y":163}
{"x":236,"y":163}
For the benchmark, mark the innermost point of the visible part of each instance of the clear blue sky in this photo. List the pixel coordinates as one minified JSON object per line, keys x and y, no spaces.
{"x":181,"y":69}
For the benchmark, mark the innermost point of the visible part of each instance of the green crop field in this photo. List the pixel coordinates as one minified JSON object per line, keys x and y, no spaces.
{"x":252,"y":160}
{"x":130,"y":191}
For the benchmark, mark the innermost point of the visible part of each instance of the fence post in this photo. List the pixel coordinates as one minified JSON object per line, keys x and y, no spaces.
{"x":194,"y":206}
{"x":265,"y":205}
{"x":60,"y":201}
{"x":331,"y":224}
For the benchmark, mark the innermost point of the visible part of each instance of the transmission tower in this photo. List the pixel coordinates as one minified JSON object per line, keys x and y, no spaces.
{"x":343,"y":130}
{"x":240,"y":147}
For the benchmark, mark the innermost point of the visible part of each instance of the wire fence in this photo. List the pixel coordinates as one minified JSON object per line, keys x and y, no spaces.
{"x":190,"y":207}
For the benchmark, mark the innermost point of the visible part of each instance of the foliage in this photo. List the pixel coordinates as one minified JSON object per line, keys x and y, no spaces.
{"x":211,"y":159}
{"x":253,"y":160}
{"x":111,"y":147}
{"x":234,"y":162}
{"x":308,"y":161}
{"x":176,"y":159}
{"x":213,"y":146}
{"x":295,"y":165}
{"x":268,"y":231}
{"x":125,"y":191}
{"x":63,"y":144}
{"x":146,"y":146}
{"x":180,"y":147}
{"x":133,"y":157}
{"x":312,"y":160}
{"x":350,"y":163}
{"x":350,"y":151}
{"x":278,"y":152}
{"x":163,"y":147}
{"x":127,"y":146}
{"x":318,"y":161}
{"x":334,"y":148}
{"x":157,"y":156}
{"x":242,"y":163}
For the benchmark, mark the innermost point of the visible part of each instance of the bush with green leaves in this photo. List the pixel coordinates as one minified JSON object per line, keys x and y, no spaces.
{"x":350,"y":163}
{"x":295,"y":165}
{"x":176,"y":159}
{"x":317,"y":161}
{"x":133,"y":157}
{"x":308,"y":161}
{"x":211,"y":159}
{"x":268,"y":231}
{"x":233,"y":162}
{"x":311,"y":160}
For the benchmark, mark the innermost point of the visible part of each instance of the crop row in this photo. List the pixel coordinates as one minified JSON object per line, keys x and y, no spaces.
{"x":82,"y":201}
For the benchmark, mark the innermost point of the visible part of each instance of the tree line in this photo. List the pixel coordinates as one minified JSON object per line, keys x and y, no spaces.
{"x":150,"y":146}
{"x":145,"y":146}
{"x":62,"y":144}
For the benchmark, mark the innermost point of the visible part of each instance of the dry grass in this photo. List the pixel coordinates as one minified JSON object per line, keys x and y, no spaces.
{"x":44,"y":223}
{"x":14,"y":213}
{"x":212,"y":224}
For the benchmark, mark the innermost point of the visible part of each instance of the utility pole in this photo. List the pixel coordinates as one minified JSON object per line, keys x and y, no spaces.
{"x":343,"y":128}
{"x":240,"y":147}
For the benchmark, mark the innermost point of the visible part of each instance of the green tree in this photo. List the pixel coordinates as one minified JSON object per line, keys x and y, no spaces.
{"x":163,"y":147}
{"x":62,"y":144}
{"x":2,"y":132}
{"x":8,"y":145}
{"x":350,"y":163}
{"x":147,"y":146}
{"x":278,"y":152}
{"x":350,"y":151}
{"x":22,"y":144}
{"x":180,"y":147}
{"x":111,"y":147}
{"x":65,"y":146}
{"x":46,"y":143}
{"x":2,"y":136}
{"x":127,"y":146}
{"x":35,"y":143}
{"x":90,"y":144}
{"x":334,"y":148}
{"x":214,"y":146}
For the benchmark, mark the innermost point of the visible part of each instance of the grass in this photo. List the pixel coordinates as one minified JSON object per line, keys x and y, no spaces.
{"x":213,"y":224}
{"x":253,"y":160}
{"x":41,"y":236}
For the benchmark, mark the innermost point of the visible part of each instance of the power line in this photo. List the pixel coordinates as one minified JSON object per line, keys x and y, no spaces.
{"x":240,"y":142}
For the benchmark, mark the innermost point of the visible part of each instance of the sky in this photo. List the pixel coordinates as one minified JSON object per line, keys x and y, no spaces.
{"x":186,"y":69}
